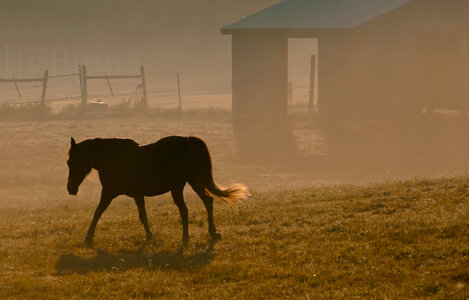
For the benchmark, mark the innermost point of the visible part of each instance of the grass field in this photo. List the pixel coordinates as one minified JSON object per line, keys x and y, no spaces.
{"x":303,"y":234}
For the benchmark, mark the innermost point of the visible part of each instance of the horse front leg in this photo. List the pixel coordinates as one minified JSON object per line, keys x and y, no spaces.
{"x":179,"y":200}
{"x":104,"y":202}
{"x":142,"y":214}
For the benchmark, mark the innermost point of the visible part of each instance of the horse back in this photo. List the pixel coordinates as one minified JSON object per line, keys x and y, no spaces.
{"x":167,"y":163}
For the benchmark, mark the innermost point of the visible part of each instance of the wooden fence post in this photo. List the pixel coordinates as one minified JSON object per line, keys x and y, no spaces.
{"x":84,"y":86}
{"x":80,"y":75}
{"x":7,"y":72}
{"x":311,"y":84}
{"x":16,"y":86}
{"x":179,"y":93}
{"x":31,"y":62}
{"x":20,"y":62}
{"x":44,"y":88}
{"x":144,"y":86}
{"x":109,"y":84}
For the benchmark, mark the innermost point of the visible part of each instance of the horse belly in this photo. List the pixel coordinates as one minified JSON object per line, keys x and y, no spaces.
{"x":160,"y":172}
{"x":153,"y":184}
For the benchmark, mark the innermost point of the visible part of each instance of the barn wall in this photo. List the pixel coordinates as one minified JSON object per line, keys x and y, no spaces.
{"x":366,"y":74}
{"x":421,"y":48}
{"x":333,"y":84}
{"x":259,"y":74}
{"x":393,"y":66}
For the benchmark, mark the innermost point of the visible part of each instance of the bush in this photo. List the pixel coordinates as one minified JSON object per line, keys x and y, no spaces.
{"x":24,"y":112}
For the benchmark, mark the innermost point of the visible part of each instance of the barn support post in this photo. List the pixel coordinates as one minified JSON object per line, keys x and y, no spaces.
{"x":312,"y":80}
{"x":259,"y":75}
{"x":144,"y":86}
{"x":44,"y":88}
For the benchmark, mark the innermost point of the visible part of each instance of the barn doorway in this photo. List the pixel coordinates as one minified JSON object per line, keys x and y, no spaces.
{"x":302,"y":59}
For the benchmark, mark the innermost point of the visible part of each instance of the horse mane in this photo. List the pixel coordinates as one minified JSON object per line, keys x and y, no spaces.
{"x":101,"y":141}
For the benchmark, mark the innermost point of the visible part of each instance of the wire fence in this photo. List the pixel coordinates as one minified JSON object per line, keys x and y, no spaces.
{"x":22,"y":62}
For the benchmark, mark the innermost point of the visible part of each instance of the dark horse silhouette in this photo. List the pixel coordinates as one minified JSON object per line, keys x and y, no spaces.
{"x":126,"y":168}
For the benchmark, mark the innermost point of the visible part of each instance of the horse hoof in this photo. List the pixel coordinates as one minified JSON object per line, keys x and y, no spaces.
{"x":149,"y":237}
{"x":216,"y":236}
{"x":89,"y":243}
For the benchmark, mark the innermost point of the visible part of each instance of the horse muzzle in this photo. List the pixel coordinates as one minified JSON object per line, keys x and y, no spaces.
{"x":72,"y":190}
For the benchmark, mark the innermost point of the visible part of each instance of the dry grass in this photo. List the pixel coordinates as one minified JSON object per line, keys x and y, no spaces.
{"x":292,"y":238}
{"x":407,"y":239}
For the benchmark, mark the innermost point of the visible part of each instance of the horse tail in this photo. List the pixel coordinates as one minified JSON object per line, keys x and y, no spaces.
{"x":232,"y":194}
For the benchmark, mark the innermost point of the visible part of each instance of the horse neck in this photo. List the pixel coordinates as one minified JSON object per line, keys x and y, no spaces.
{"x":92,"y":152}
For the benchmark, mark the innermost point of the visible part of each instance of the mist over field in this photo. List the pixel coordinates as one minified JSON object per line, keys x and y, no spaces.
{"x":170,"y":36}
{"x":352,"y":205}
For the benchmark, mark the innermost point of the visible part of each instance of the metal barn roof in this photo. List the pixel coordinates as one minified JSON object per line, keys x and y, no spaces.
{"x":315,"y":14}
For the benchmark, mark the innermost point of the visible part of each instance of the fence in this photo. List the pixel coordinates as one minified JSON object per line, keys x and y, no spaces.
{"x":83,"y":78}
{"x":31,"y":62}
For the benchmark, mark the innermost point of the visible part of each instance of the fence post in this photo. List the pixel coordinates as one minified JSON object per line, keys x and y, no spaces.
{"x":179,"y":93}
{"x":31,"y":62}
{"x":311,"y":84}
{"x":80,"y":75}
{"x":128,"y":61}
{"x":98,"y":69}
{"x":109,"y":84}
{"x":107,"y":62}
{"x":55,"y":61}
{"x":6,"y":62}
{"x":84,"y":86}
{"x":42,"y":57}
{"x":16,"y":86}
{"x":144,"y":86}
{"x":44,"y":88}
{"x":20,"y":62}
{"x":84,"y":98}
{"x":65,"y":68}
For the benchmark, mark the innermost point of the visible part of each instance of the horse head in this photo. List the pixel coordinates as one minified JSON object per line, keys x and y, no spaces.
{"x":78,"y":167}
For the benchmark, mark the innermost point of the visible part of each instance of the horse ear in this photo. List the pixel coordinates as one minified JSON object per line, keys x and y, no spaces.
{"x":72,"y":142}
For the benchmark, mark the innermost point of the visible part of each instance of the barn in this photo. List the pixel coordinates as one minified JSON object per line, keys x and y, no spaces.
{"x":378,"y":59}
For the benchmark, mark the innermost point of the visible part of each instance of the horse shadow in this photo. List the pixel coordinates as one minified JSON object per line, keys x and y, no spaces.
{"x":104,"y":261}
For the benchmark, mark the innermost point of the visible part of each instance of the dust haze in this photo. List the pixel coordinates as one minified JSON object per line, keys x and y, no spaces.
{"x":316,"y":115}
{"x":346,"y":127}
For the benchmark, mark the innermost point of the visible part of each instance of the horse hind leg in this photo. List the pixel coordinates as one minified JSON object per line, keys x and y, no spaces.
{"x":142,"y":214}
{"x":178,"y":198}
{"x":208,"y":202}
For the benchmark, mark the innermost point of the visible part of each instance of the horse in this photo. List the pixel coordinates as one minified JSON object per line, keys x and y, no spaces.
{"x":127,"y":168}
